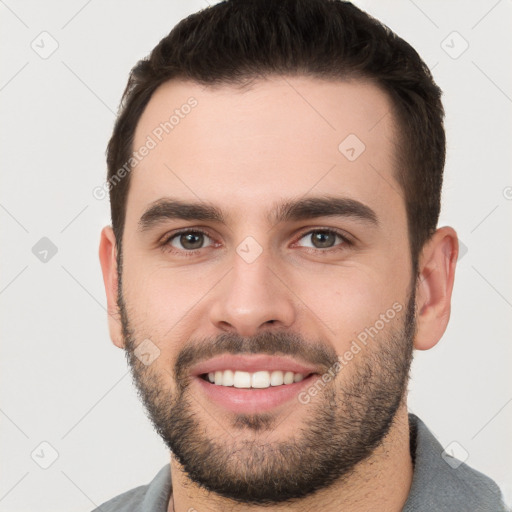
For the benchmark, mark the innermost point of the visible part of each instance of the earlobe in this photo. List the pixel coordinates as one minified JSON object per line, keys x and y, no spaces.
{"x":437,"y":263}
{"x":108,"y":262}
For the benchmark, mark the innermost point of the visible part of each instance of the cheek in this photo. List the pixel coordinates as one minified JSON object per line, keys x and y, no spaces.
{"x":347,"y":302}
{"x":157,"y":311}
{"x":162,"y":300}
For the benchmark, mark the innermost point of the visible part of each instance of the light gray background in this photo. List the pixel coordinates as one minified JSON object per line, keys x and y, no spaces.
{"x":63,"y":382}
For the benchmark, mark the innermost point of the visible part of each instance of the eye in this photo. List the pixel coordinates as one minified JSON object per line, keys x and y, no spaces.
{"x":325,"y":239}
{"x":187,"y":240}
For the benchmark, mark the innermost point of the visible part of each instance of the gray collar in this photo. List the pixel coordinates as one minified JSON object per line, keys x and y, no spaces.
{"x":443,"y":484}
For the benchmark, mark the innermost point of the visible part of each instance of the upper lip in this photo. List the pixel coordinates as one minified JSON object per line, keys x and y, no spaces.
{"x":252,"y":363}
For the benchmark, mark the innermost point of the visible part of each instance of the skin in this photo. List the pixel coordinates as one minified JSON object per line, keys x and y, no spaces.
{"x":245,"y":152}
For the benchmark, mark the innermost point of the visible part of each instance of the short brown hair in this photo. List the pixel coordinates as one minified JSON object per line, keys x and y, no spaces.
{"x":236,"y":41}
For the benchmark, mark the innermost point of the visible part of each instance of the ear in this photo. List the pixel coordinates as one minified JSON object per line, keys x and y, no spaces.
{"x":108,"y":261}
{"x":437,"y":263}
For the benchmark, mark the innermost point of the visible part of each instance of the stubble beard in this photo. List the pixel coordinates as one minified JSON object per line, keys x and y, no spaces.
{"x":341,"y":428}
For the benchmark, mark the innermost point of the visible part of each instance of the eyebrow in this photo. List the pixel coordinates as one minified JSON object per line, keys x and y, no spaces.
{"x":293,"y":210}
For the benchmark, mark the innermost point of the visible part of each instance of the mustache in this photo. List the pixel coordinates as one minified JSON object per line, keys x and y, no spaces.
{"x":266,"y":342}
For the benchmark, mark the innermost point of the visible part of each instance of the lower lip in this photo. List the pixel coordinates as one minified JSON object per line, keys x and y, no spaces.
{"x":251,"y":400}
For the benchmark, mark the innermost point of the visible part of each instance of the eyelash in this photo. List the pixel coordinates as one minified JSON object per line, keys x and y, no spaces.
{"x":165,"y":244}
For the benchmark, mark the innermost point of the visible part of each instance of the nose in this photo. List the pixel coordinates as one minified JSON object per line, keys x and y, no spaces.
{"x":252,"y":298}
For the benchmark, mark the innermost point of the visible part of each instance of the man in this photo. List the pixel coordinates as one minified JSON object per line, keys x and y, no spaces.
{"x":275,"y":176}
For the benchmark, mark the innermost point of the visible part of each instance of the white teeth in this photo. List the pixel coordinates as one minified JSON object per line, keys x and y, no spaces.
{"x":260,"y":379}
{"x":288,"y":377}
{"x":228,"y":378}
{"x":242,"y":380}
{"x":276,"y":378}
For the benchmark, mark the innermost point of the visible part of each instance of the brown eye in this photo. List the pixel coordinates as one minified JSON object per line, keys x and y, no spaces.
{"x":323,"y":239}
{"x":188,"y":240}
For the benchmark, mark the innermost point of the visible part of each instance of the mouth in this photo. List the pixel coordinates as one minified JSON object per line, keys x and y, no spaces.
{"x":252,"y":384}
{"x":261,"y":379}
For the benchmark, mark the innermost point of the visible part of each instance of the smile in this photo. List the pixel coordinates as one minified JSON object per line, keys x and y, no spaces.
{"x":252,"y":383}
{"x":258,"y":380}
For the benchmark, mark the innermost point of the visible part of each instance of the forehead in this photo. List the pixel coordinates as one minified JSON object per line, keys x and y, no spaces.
{"x":283,"y":137}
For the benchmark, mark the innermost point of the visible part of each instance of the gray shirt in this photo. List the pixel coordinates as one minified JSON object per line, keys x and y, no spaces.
{"x":439,"y":484}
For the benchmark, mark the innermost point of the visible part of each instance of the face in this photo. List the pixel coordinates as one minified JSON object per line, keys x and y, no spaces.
{"x":266,"y":289}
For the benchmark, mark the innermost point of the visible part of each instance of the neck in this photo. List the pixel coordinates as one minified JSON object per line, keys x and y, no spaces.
{"x":381,"y":482}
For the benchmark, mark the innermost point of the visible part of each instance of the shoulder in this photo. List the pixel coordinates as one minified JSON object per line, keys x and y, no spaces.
{"x":152,"y":497}
{"x":127,"y":501}
{"x":444,"y":483}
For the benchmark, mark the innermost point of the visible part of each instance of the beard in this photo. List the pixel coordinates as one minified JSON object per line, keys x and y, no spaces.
{"x":345,"y":423}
